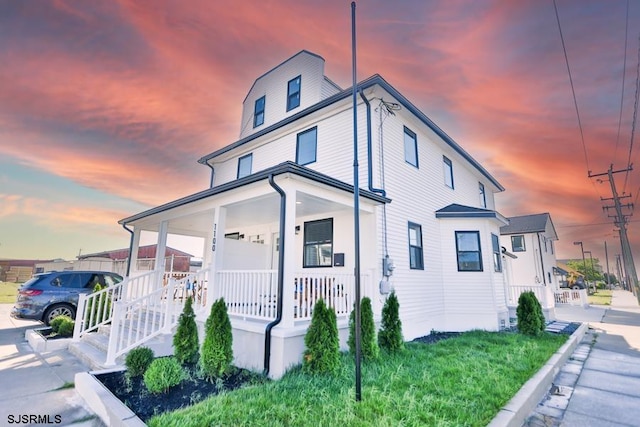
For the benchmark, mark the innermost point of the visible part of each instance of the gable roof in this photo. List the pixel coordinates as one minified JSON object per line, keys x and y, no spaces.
{"x":376,"y":79}
{"x":455,"y":210}
{"x":536,"y":223}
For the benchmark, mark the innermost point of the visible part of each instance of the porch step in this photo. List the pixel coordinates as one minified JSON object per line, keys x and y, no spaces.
{"x":92,"y":348}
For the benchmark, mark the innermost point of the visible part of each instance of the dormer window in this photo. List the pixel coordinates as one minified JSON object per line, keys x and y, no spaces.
{"x":293,"y":93}
{"x":258,"y":112}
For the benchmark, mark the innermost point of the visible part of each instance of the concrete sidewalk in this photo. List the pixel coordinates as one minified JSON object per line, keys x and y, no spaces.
{"x":600,"y":384}
{"x":35,"y":387}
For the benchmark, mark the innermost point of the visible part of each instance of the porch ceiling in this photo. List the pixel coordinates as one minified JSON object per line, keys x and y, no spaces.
{"x":259,"y":210}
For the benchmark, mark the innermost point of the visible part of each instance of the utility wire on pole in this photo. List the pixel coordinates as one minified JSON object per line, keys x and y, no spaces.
{"x":620,"y":221}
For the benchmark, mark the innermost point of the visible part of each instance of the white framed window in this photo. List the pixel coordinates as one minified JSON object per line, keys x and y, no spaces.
{"x":448,"y":171}
{"x":469,"y":252}
{"x":497,"y":258}
{"x":410,"y":147}
{"x":416,"y":256}
{"x":483,"y":196}
{"x":258,"y":112}
{"x":306,"y":146}
{"x":517,"y":243}
{"x":293,"y":93}
{"x":318,"y":243}
{"x":244,"y":165}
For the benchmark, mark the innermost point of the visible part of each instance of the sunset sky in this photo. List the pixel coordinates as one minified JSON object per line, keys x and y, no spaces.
{"x":105,"y":106}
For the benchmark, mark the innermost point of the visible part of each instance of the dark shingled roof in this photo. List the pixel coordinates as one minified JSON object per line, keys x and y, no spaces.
{"x":535,"y":223}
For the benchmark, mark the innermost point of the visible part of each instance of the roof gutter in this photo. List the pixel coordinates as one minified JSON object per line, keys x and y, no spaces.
{"x":278,"y":319}
{"x":130,"y":248}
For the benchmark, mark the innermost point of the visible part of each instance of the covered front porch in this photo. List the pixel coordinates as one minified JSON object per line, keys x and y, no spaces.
{"x":274,"y":244}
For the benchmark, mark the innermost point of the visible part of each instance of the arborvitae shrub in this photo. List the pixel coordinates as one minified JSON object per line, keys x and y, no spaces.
{"x":138,"y":360}
{"x":217,"y":352}
{"x":98,"y":308}
{"x":162,"y":374}
{"x":530,"y":317}
{"x":65,"y":329}
{"x":390,"y":334}
{"x":185,"y":340}
{"x":322,"y":355}
{"x":57,"y":321}
{"x":368,"y":342}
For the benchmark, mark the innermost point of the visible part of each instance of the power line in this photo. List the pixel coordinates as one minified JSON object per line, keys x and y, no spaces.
{"x":633,"y":124}
{"x":575,"y":101}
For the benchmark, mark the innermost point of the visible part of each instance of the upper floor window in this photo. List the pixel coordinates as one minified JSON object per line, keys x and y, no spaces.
{"x":258,"y":112}
{"x":410,"y":147}
{"x":244,"y":165}
{"x":448,"y":171}
{"x":318,"y":243}
{"x":483,"y":197}
{"x":497,"y":260}
{"x":293,"y":93}
{"x":416,"y":258}
{"x":517,"y":243}
{"x":306,"y":146}
{"x":468,"y":249}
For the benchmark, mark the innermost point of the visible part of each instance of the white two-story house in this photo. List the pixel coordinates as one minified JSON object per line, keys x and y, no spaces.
{"x":277,"y":221}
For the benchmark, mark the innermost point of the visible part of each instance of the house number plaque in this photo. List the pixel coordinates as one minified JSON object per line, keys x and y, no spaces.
{"x":213,"y":243}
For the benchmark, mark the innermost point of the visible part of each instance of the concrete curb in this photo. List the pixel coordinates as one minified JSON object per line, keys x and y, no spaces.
{"x":514,"y":413}
{"x":109,"y":408}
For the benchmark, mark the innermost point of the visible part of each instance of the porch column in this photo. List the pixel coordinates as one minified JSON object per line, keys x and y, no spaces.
{"x":133,"y":256}
{"x":289,"y":253}
{"x":216,"y":252}
{"x":161,"y":249}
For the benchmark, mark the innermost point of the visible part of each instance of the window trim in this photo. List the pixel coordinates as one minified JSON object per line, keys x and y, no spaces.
{"x":483,"y":195}
{"x":497,"y":253}
{"x":479,"y":251}
{"x":240,"y":160}
{"x":513,"y":247}
{"x":420,"y":259}
{"x":259,"y":113}
{"x":447,"y":167}
{"x":305,"y":244}
{"x":293,"y":94}
{"x":315,"y":151}
{"x":411,"y":134}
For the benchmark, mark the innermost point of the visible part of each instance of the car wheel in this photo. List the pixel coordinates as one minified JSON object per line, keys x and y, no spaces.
{"x":58,"y":310}
{"x":575,"y":287}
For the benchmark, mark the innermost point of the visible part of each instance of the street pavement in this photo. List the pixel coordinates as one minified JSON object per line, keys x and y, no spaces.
{"x":37,"y":388}
{"x":600,"y":383}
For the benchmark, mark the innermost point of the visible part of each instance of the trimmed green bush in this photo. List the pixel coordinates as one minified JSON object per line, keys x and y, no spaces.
{"x":98,"y":309}
{"x":390,"y":335}
{"x":217,"y":352}
{"x":368,"y":343}
{"x":63,"y":325}
{"x":530,"y":317}
{"x":322,"y":355}
{"x":138,"y":360}
{"x":162,"y":374}
{"x":185,"y":341}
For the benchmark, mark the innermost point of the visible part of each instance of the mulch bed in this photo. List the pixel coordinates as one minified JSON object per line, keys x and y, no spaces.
{"x":48,"y":334}
{"x":133,"y":393}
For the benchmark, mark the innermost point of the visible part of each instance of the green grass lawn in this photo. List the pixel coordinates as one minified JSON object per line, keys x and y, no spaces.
{"x":460,"y":381}
{"x":601,"y":297}
{"x":8,"y":292}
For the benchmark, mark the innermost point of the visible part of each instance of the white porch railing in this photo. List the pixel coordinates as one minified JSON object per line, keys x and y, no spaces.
{"x":542,"y":293}
{"x":572,"y":297}
{"x":251,"y":294}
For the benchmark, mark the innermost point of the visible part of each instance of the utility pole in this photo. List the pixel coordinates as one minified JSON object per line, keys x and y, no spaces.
{"x":606,"y":257}
{"x":620,"y":221}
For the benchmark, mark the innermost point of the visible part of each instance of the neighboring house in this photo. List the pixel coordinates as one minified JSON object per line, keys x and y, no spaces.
{"x":116,"y":261}
{"x":531,"y":239}
{"x":277,"y":223}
